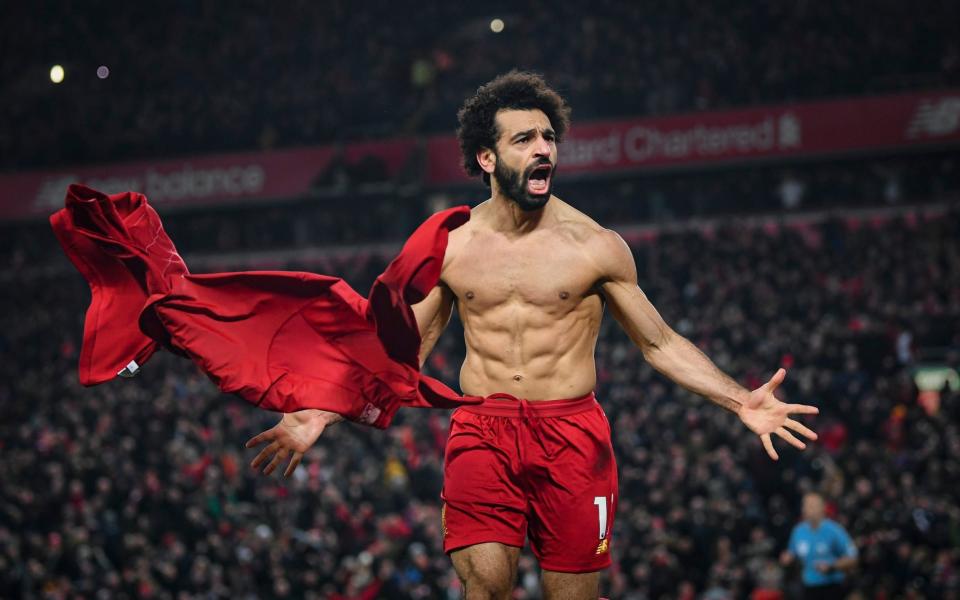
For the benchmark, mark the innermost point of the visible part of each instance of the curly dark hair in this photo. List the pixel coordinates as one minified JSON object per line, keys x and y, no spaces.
{"x":514,"y":90}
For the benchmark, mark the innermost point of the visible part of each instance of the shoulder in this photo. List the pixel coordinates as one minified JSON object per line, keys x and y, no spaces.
{"x":456,"y":240}
{"x":602,"y":247}
{"x":603,"y":244}
{"x":834,"y":527}
{"x":461,"y":235}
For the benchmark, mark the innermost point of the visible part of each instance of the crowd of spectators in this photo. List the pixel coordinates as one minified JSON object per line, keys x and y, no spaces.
{"x":141,"y":489}
{"x":208,"y":76}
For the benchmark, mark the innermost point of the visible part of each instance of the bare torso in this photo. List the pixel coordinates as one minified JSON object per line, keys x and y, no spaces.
{"x":530,"y":304}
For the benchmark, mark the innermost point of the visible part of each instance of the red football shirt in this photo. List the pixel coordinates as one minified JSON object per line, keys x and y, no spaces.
{"x":284,"y":341}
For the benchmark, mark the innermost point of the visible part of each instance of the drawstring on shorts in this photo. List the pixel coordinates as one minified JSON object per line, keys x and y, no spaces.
{"x":530,"y":413}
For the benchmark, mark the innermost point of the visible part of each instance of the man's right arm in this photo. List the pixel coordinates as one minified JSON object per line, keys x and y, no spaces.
{"x":432,"y":314}
{"x":790,"y":554}
{"x":297,"y":432}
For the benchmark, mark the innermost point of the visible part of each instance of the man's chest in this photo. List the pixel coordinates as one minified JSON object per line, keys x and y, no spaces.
{"x":815,"y":546}
{"x":486,"y":273}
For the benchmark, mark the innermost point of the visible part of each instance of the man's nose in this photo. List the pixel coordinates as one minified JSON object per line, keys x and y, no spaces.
{"x":542,"y":147}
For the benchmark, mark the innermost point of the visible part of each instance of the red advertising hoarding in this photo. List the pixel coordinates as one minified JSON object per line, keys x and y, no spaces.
{"x":813,"y":128}
{"x":693,"y":139}
{"x":199,"y":181}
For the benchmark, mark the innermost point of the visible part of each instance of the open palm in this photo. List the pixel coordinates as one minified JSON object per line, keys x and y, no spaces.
{"x":765,"y":415}
{"x":292,"y":436}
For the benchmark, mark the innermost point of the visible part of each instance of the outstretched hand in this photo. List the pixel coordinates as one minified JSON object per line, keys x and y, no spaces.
{"x":764,"y":415}
{"x":292,"y":436}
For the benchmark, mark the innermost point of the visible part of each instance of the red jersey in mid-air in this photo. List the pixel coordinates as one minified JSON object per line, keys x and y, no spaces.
{"x":284,"y":341}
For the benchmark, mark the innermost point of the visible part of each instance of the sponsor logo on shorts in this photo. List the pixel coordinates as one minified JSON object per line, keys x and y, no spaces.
{"x":602,"y":547}
{"x":443,"y":520}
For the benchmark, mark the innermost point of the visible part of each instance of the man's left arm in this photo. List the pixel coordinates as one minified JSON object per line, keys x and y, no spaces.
{"x":676,"y":357}
{"x":847,"y":550}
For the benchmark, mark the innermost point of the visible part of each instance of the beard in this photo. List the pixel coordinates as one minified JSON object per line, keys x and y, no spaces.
{"x":513,"y":185}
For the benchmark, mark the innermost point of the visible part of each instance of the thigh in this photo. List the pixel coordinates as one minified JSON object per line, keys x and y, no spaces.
{"x":571,"y":586}
{"x":488,"y":571}
{"x":483,"y":500}
{"x":574,"y":494}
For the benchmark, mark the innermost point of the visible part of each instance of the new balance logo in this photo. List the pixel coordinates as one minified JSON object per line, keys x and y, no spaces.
{"x":935,"y":119}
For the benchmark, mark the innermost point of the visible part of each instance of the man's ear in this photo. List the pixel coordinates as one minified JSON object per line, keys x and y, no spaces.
{"x":487,"y":159}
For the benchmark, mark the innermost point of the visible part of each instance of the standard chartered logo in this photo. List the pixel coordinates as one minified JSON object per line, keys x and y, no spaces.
{"x":649,"y":142}
{"x":645,"y":143}
{"x":578,"y":152}
{"x":791,"y":131}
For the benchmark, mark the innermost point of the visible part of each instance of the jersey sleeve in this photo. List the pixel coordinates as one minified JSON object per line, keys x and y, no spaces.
{"x":844,"y":543}
{"x":794,"y":539}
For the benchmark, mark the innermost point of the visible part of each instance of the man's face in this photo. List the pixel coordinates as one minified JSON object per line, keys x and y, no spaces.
{"x":526,"y":156}
{"x":813,"y":508}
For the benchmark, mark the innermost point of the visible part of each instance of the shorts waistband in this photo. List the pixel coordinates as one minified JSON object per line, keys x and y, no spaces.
{"x":504,"y":405}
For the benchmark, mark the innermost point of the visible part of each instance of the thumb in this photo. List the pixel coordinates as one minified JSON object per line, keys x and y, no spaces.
{"x":776,"y":380}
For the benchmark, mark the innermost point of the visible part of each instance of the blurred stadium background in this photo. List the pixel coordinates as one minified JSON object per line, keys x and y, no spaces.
{"x":787,"y":174}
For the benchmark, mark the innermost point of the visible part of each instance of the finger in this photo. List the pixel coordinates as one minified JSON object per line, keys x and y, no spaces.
{"x":768,"y":446}
{"x":800,"y":428}
{"x":260,"y":438}
{"x":791,"y":439}
{"x":803,"y":409}
{"x":294,"y":463}
{"x":264,"y":454}
{"x":276,"y":462}
{"x":776,"y":380}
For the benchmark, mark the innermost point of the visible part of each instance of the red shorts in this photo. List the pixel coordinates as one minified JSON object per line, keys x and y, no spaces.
{"x":545,"y":469}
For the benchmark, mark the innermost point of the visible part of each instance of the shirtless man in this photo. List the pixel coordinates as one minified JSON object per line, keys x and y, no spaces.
{"x":529,"y":276}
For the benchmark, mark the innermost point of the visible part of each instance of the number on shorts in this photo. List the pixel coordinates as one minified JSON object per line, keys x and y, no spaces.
{"x":601,"y":502}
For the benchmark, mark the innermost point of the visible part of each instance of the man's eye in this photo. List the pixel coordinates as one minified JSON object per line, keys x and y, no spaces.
{"x":523,"y":139}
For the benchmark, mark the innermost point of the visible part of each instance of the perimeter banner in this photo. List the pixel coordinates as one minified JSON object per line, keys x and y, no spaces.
{"x":813,"y":128}
{"x":208,"y":180}
{"x":807,"y":129}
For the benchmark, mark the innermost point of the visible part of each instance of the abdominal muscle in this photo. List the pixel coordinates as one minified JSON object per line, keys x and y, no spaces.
{"x":531,"y":351}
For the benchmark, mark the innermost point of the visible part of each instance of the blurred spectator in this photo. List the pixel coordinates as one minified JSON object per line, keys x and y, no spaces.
{"x":791,"y":191}
{"x":824,"y":549}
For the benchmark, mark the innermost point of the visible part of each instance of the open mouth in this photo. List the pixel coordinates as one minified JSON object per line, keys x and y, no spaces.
{"x":539,"y":180}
